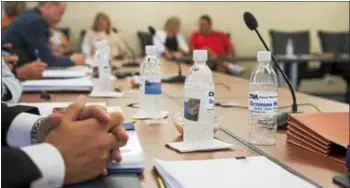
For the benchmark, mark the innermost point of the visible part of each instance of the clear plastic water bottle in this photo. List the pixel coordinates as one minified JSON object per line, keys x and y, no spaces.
{"x":199,"y":100}
{"x":290,"y":48}
{"x":101,"y":67}
{"x":150,"y":84}
{"x":263,"y":102}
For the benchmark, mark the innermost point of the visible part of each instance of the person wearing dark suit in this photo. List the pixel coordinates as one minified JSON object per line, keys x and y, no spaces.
{"x":59,"y":149}
{"x":29,"y":35}
{"x":10,"y":86}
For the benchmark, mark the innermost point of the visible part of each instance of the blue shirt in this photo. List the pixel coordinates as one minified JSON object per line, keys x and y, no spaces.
{"x":28,"y":33}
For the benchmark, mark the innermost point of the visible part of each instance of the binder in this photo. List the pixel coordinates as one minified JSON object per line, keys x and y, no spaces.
{"x":326,"y":134}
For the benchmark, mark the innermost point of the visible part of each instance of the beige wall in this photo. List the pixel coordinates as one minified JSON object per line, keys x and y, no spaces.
{"x":129,"y":17}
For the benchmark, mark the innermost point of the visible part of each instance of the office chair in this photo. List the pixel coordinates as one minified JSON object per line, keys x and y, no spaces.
{"x":301,"y":43}
{"x":145,"y":39}
{"x":337,"y":43}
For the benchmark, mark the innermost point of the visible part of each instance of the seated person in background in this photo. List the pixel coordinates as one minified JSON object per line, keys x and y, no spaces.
{"x":29,"y":36}
{"x":170,"y":42}
{"x":102,"y":29}
{"x":59,"y":43}
{"x":29,"y":71}
{"x":12,"y":10}
{"x":60,"y":149}
{"x":217,"y":43}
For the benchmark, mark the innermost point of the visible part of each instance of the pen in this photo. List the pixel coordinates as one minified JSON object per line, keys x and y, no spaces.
{"x":37,"y":54}
{"x":160,"y":182}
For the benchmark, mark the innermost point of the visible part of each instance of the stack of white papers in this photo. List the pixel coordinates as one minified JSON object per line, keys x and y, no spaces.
{"x":252,"y":172}
{"x":84,"y":69}
{"x":74,"y":84}
{"x":203,"y":145}
{"x":56,"y":74}
{"x":132,"y":157}
{"x":143,"y":115}
{"x":47,"y":108}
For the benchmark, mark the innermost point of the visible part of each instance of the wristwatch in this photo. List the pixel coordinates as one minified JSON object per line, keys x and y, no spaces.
{"x":39,"y":131}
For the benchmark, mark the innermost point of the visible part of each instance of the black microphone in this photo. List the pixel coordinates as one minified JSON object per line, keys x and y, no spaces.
{"x":252,"y":24}
{"x":179,"y":78}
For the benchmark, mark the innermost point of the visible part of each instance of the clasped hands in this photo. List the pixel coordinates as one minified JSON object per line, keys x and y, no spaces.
{"x":87,"y":137}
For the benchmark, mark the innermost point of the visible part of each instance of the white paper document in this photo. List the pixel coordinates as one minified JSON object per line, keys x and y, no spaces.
{"x":84,"y":69}
{"x":142,"y":115}
{"x":74,"y":84}
{"x":47,"y":108}
{"x":250,"y":172}
{"x":132,"y":155}
{"x":205,"y":145}
{"x":56,"y":74}
{"x":109,"y":94}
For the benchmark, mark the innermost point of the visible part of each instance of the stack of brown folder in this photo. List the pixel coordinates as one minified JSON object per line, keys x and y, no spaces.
{"x":326,"y":134}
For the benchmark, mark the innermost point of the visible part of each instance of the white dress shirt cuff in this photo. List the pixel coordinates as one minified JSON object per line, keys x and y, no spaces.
{"x":18,"y":134}
{"x":50,"y":163}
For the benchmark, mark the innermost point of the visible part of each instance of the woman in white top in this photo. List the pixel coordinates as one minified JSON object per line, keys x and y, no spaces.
{"x":170,"y":42}
{"x":101,"y":29}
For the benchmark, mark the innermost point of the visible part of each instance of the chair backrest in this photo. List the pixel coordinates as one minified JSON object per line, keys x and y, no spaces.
{"x":301,"y":44}
{"x":301,"y":41}
{"x":337,"y":42}
{"x":145,"y":39}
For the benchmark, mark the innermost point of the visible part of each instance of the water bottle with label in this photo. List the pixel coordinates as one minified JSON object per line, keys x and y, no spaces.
{"x":199,"y":100}
{"x":263,"y":101}
{"x":290,"y":48}
{"x":150,"y":84}
{"x":101,"y":67}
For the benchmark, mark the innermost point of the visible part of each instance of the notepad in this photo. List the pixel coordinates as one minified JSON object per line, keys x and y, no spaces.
{"x":132,"y":155}
{"x":84,"y":69}
{"x":56,"y":74}
{"x":204,"y":145}
{"x":74,"y":84}
{"x":105,"y":94}
{"x":142,"y":115}
{"x":249,"y":172}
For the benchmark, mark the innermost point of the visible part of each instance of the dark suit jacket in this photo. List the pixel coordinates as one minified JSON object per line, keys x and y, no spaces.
{"x":18,"y":170}
{"x":30,"y":32}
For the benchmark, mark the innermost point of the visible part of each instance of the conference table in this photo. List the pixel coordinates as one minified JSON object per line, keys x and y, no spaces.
{"x":154,"y":136}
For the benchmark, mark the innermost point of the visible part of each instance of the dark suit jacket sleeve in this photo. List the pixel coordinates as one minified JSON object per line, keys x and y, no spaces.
{"x":9,"y":114}
{"x":36,"y":36}
{"x":18,"y":170}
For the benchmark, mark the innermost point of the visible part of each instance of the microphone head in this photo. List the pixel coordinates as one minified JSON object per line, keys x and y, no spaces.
{"x":250,"y":21}
{"x":151,"y":30}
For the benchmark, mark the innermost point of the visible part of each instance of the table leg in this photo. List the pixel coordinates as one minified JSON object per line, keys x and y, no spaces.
{"x":294,"y":74}
{"x":280,"y":77}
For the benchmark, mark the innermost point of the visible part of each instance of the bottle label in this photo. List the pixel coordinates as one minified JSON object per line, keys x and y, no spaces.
{"x":95,"y":73}
{"x":263,"y":103}
{"x":142,"y":85}
{"x":199,"y":105}
{"x":152,"y":86}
